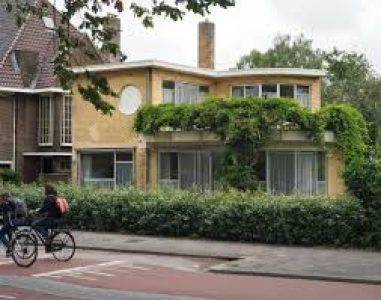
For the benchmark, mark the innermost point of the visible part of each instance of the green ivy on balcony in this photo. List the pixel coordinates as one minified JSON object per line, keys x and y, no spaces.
{"x":245,"y":125}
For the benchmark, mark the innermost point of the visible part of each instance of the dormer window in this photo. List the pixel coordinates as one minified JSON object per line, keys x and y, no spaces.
{"x":49,"y":23}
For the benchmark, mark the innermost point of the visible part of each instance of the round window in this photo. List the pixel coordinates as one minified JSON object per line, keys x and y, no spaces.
{"x":130,"y":100}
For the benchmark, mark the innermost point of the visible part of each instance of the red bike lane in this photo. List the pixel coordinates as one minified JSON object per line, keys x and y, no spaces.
{"x":126,"y":276}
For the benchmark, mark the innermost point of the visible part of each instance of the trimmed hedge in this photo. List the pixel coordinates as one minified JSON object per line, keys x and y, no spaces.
{"x":226,"y":216}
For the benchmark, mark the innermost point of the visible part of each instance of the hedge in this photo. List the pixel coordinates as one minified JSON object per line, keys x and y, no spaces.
{"x":233,"y":216}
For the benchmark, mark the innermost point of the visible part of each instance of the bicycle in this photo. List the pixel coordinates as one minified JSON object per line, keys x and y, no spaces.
{"x":25,"y":243}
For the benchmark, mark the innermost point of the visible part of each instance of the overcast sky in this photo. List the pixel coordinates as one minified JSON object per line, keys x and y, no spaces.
{"x":347,"y":24}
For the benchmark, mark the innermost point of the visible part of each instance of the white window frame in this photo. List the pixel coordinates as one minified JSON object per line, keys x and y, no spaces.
{"x":115,"y":162}
{"x":45,"y":127}
{"x":295,"y":153}
{"x":278,"y":90}
{"x":67,"y":123}
{"x":309,"y":94}
{"x":197,"y":163}
{"x":176,"y":91}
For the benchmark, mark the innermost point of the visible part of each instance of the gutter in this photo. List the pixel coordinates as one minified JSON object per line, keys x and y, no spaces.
{"x":33,"y":91}
{"x":198,"y":71}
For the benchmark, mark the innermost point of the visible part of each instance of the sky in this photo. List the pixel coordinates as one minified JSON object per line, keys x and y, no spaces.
{"x":353,"y":25}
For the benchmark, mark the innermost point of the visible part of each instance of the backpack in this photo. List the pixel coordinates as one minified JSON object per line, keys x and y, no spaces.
{"x":21,"y":210}
{"x":62,"y":205}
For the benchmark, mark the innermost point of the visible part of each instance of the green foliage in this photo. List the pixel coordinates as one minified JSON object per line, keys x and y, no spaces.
{"x":235,"y":216}
{"x":244,"y":125}
{"x":350,"y":76}
{"x":8,"y":175}
{"x":95,"y":23}
{"x":286,"y":53}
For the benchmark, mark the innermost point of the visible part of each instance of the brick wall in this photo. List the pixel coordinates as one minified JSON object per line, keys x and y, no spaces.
{"x":6,"y":128}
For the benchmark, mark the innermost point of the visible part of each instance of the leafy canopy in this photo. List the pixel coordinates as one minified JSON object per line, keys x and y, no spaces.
{"x":95,"y":22}
{"x":286,"y":53}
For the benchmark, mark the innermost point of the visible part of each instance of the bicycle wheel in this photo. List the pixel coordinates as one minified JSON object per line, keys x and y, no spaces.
{"x":24,"y":249}
{"x":63,"y":246}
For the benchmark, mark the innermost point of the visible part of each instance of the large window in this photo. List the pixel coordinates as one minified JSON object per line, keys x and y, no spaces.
{"x":107,"y":169}
{"x":299,"y":92}
{"x":66,"y":138}
{"x":183,"y":92}
{"x":295,"y":172}
{"x":187,"y":169}
{"x":45,"y":121}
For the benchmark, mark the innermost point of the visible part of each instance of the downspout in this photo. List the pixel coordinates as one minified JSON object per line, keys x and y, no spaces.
{"x":14,"y":133}
{"x":148,"y":101}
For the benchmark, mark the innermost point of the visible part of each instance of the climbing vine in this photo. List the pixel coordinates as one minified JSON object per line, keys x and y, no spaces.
{"x":244,"y":125}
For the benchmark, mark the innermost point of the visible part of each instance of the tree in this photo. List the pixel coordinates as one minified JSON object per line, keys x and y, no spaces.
{"x":352,"y":79}
{"x":350,"y":76}
{"x":286,"y":53}
{"x":94,"y":22}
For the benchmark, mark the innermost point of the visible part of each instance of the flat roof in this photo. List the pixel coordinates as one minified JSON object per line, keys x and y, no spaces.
{"x":198,"y":71}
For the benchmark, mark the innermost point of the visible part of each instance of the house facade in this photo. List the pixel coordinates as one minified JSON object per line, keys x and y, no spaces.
{"x":108,"y":152}
{"x":35,"y":112}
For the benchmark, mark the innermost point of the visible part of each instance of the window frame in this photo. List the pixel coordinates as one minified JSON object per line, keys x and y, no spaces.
{"x":177,"y":83}
{"x":65,"y":122}
{"x":197,"y":164}
{"x":296,"y":152}
{"x":45,"y":139}
{"x":115,"y":162}
{"x":260,"y":85}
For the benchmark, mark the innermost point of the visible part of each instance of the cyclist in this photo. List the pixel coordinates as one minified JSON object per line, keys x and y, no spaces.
{"x":14,"y":213}
{"x":51,"y":214}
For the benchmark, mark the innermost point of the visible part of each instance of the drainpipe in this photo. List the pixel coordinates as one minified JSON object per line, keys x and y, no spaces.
{"x":14,"y":133}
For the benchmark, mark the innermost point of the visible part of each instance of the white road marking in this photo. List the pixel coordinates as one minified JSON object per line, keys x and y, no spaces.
{"x":80,"y":277}
{"x":6,"y":297}
{"x":98,"y":273}
{"x":78,"y":269}
{"x":6,"y":262}
{"x":126,"y":266}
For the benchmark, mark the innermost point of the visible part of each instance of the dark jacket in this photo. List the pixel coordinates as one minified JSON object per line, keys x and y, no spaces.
{"x":49,"y":206}
{"x":8,"y":209}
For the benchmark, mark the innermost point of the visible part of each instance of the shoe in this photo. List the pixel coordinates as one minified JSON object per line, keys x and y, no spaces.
{"x":48,"y":248}
{"x":8,"y":253}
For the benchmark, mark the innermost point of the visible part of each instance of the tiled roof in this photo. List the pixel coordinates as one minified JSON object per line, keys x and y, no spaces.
{"x":34,"y":36}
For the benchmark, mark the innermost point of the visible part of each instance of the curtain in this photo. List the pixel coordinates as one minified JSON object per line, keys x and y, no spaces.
{"x":282,"y":172}
{"x":187,"y":170}
{"x":86,"y":163}
{"x":204,"y":170}
{"x":306,"y":173}
{"x":124,"y":173}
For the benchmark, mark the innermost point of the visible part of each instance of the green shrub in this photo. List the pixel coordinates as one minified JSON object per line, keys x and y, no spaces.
{"x":8,"y":175}
{"x":225,"y":216}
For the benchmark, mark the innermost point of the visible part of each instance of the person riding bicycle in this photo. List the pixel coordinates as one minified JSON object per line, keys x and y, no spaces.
{"x":51,"y":214}
{"x":14,"y":214}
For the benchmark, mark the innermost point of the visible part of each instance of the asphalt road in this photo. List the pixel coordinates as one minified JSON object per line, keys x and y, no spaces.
{"x":103,"y":275}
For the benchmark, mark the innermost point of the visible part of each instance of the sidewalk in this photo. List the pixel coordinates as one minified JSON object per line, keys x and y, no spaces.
{"x":250,"y":259}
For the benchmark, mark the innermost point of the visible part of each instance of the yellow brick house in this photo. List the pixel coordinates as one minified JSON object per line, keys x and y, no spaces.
{"x":107,"y":151}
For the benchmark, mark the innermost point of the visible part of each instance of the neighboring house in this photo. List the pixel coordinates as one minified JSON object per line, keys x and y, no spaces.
{"x":108,"y":152}
{"x":35,"y":113}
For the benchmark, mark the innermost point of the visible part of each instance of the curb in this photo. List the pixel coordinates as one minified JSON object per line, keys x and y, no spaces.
{"x":161,"y":253}
{"x":295,"y":276}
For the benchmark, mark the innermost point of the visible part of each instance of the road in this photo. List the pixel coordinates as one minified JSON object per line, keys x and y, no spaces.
{"x":106,"y":275}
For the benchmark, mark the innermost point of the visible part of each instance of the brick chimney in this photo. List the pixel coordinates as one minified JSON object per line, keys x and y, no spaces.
{"x":206,"y":32}
{"x":114,"y":24}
